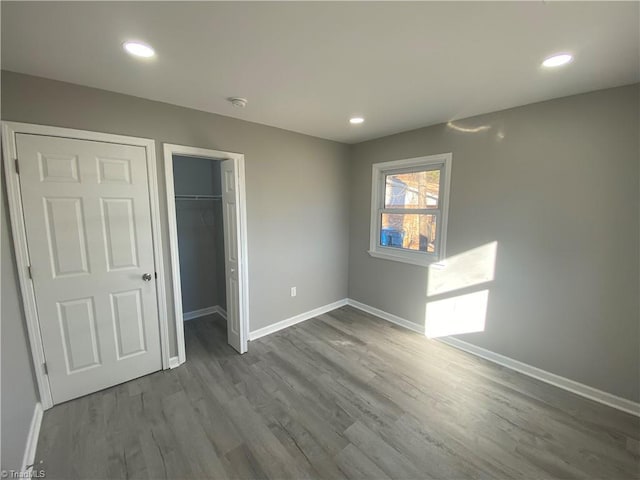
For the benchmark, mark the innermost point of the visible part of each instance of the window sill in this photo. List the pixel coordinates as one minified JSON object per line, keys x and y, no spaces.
{"x":418,"y":259}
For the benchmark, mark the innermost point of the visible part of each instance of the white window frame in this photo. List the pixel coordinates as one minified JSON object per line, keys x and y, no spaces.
{"x":379,"y":171}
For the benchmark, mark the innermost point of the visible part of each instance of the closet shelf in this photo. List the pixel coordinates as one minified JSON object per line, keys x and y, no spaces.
{"x":198,"y":197}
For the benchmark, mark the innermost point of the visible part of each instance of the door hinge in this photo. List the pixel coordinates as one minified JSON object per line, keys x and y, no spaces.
{"x":156,"y":274}
{"x":45,"y":369}
{"x":30,"y":272}
{"x":17,"y":167}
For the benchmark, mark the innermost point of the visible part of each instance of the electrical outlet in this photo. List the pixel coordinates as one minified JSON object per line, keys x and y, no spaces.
{"x":293,"y":291}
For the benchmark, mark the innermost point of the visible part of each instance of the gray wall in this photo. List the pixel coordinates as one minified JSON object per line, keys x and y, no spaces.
{"x":556,"y":185}
{"x":200,"y":233}
{"x":19,"y":391}
{"x":196,"y":176}
{"x":296,"y":185}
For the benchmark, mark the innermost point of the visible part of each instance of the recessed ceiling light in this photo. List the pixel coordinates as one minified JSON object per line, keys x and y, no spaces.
{"x":356,"y":120}
{"x":557,"y":60}
{"x":138,"y":49}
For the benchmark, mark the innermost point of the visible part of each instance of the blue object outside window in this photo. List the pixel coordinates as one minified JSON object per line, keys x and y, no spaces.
{"x":390,"y":237}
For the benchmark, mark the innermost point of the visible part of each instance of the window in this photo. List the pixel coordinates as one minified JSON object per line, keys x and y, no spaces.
{"x":409,"y":204}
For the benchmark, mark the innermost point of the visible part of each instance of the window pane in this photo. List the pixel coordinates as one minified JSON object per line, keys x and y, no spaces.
{"x":412,"y":190}
{"x":409,"y":231}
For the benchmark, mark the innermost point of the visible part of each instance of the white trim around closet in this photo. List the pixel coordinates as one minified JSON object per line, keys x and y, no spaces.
{"x":169,"y":151}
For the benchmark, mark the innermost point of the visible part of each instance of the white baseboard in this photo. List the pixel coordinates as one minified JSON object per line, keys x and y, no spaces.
{"x":203,"y":312}
{"x":174,"y":362}
{"x":29,"y":456}
{"x":390,"y":317}
{"x":221,"y":311}
{"x":545,"y":376}
{"x":578,"y":388}
{"x":261,"y":332}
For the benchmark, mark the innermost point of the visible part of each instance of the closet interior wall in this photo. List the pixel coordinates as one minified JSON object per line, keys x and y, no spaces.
{"x":200,"y":233}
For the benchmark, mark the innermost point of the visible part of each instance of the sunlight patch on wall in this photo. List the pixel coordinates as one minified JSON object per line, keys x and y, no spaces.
{"x":468,"y":274}
{"x":467,"y":269}
{"x":455,"y":315}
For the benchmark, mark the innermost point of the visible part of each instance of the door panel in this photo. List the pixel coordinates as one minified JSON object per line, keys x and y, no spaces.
{"x":78,"y":331}
{"x":88,"y":225}
{"x":119,"y":233}
{"x":232,"y":309}
{"x":230,"y":200}
{"x":114,"y":170}
{"x":66,"y":236}
{"x":58,"y":168}
{"x":126,"y":310}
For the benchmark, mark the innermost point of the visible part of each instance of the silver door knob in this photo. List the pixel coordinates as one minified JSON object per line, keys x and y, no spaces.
{"x":146,"y":277}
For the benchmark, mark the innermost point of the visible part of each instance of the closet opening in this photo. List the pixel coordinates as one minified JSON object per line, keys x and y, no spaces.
{"x":200,"y":228}
{"x":207,"y":229}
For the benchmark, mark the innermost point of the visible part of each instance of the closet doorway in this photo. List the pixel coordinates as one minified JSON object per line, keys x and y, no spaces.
{"x":206,"y":209}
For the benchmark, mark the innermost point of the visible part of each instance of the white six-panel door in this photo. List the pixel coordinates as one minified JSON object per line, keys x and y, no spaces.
{"x":230,"y":198}
{"x":88,"y":224}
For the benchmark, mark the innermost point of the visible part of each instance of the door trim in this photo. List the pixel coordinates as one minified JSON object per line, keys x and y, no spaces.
{"x":169,"y":151}
{"x":12,"y":182}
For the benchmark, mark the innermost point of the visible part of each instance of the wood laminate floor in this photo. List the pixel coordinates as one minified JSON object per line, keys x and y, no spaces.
{"x":345,"y":395}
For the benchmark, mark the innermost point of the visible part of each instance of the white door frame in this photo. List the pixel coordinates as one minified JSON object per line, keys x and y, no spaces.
{"x":169,"y":151}
{"x":12,"y":181}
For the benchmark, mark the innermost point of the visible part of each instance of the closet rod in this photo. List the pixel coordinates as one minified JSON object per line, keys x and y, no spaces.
{"x":198,"y":197}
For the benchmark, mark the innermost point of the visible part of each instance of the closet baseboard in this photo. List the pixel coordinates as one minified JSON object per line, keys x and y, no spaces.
{"x":203,"y":312}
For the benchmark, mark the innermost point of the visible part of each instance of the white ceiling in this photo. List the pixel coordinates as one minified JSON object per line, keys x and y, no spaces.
{"x":308,"y":67}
